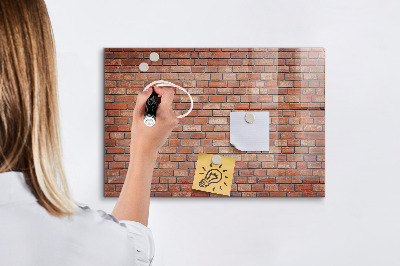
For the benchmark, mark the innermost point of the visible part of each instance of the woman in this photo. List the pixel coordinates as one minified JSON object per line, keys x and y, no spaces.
{"x":40,"y":224}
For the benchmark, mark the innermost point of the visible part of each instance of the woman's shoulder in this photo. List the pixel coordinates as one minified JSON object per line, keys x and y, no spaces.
{"x":85,"y":213}
{"x":99,"y":216}
{"x":88,"y":237}
{"x":136,"y":235}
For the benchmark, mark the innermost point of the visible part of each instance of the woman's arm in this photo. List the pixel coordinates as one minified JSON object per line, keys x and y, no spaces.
{"x":134,"y":200}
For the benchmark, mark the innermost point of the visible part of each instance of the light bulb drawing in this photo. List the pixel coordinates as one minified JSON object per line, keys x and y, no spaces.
{"x":213,"y":176}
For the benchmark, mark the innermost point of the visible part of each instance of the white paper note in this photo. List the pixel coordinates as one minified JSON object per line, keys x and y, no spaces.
{"x":249,"y":136}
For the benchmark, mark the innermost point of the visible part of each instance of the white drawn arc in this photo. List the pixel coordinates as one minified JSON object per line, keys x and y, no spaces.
{"x":164,"y":83}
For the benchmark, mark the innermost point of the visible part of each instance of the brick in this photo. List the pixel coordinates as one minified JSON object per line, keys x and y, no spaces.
{"x":211,"y":149}
{"x":218,"y":84}
{"x":177,"y":157}
{"x":283,"y":179}
{"x":286,"y":187}
{"x":244,"y":187}
{"x":285,"y":83}
{"x":184,"y":149}
{"x":167,"y":179}
{"x":275,"y":172}
{"x":218,"y":98}
{"x":278,"y":194}
{"x":318,"y":187}
{"x":118,"y":165}
{"x":197,"y":135}
{"x":112,"y":62}
{"x":200,"y":194}
{"x":159,"y":187}
{"x":191,"y":128}
{"x":218,"y":120}
{"x":217,"y":62}
{"x":115,"y":105}
{"x":179,"y":55}
{"x":257,"y":187}
{"x":168,"y":165}
{"x":302,"y":187}
{"x":113,"y":76}
{"x":271,"y":187}
{"x":163,"y":172}
{"x":221,"y":55}
{"x":215,"y":135}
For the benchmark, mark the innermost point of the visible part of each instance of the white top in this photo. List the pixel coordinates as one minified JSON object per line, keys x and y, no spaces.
{"x":31,"y":236}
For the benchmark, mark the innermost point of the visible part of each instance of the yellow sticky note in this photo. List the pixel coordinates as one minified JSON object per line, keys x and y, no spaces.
{"x":214,"y":178}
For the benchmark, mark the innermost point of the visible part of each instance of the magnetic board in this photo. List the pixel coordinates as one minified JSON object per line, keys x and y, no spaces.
{"x":289,"y":83}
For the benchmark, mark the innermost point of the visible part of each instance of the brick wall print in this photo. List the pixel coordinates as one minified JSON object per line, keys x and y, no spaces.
{"x":289,"y":83}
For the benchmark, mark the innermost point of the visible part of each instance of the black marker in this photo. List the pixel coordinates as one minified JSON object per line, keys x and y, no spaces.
{"x":151,"y":109}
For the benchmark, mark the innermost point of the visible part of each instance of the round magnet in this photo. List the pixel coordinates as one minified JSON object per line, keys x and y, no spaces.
{"x":249,"y":118}
{"x":143,"y":67}
{"x":154,"y":57}
{"x":216,"y":159}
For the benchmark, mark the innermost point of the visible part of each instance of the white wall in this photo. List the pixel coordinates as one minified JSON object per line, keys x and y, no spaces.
{"x":358,"y":221}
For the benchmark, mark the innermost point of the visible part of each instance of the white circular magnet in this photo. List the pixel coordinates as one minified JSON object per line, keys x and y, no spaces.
{"x":216,"y":159}
{"x":143,"y":67}
{"x":154,"y":57}
{"x":249,"y":118}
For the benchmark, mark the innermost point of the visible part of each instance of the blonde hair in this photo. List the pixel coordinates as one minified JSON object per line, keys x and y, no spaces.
{"x":30,"y":139}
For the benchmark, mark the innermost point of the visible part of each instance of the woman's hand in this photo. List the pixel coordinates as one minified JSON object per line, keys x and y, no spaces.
{"x":133,"y":202}
{"x":151,"y":139}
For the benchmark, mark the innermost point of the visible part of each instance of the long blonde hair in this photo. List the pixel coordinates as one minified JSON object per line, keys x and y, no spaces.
{"x":30,"y":139}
